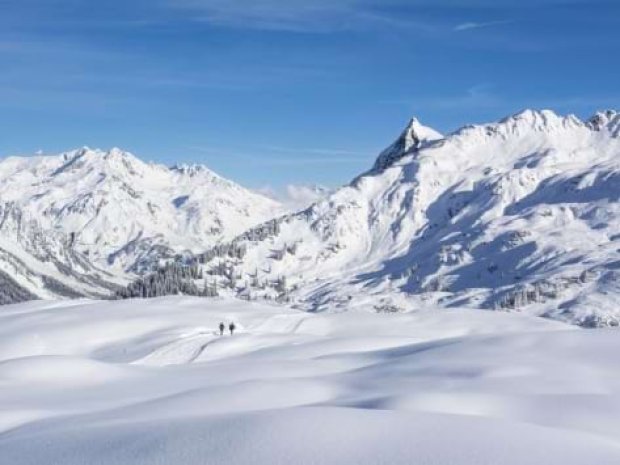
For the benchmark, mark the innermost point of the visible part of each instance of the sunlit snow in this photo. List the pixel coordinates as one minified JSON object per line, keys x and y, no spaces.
{"x":152,"y":382}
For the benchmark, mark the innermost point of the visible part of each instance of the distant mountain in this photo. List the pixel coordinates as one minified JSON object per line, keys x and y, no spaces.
{"x":523,"y":213}
{"x":124,"y":214}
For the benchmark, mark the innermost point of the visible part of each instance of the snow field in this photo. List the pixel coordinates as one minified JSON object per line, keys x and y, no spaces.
{"x":151,"y":382}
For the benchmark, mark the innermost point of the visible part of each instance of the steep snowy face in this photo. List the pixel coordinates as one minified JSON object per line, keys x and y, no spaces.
{"x":521,"y":213}
{"x":38,"y":263}
{"x":606,"y":120}
{"x":124,"y":213}
{"x":412,"y":138}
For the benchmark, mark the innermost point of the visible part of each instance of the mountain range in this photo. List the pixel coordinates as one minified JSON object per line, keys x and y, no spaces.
{"x":519,"y":214}
{"x":124,"y":213}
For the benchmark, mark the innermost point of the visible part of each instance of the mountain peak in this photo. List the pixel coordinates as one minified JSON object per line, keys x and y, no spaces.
{"x":416,"y":130}
{"x":606,"y":119}
{"x":516,"y":126}
{"x":540,"y":119}
{"x":192,"y":169}
{"x":115,"y":160}
{"x":117,"y":152}
{"x":126,"y":211}
{"x":411,"y":138}
{"x":86,"y":151}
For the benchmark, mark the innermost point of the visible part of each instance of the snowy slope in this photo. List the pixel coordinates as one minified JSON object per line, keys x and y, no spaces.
{"x":40,"y":264}
{"x":148,"y":382}
{"x":124,"y":213}
{"x":521,"y":213}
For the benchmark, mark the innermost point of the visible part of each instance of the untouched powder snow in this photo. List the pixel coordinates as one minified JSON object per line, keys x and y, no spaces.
{"x":150,"y":382}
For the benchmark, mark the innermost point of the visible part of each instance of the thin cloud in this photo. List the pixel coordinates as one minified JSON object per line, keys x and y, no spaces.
{"x":291,"y":16}
{"x":281,"y":156}
{"x":303,"y":16}
{"x":315,"y":151}
{"x":478,"y":96}
{"x":479,"y":25}
{"x":301,"y":161}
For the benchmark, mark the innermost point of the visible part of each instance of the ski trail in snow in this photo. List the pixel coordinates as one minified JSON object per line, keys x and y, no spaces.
{"x":181,"y":351}
{"x":190,"y":348}
{"x":287,"y":324}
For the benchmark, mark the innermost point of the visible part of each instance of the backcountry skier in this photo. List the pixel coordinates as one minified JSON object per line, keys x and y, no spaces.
{"x":222,"y":327}
{"x":231,"y":328}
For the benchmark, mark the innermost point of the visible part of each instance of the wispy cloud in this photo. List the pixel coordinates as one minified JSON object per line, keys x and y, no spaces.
{"x":315,"y":151}
{"x":292,"y":15}
{"x":306,"y":16}
{"x":479,"y":25}
{"x":478,"y":96}
{"x":96,"y":104}
{"x":283,"y":156}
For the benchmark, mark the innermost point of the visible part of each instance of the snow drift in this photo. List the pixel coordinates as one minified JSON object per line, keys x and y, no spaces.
{"x":149,"y":381}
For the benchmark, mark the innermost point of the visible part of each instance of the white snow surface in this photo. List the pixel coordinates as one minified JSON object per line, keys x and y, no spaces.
{"x":150,"y":382}
{"x":125,"y":213}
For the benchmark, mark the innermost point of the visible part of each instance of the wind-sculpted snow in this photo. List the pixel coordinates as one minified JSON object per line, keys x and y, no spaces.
{"x":126,"y":214}
{"x":519,"y":214}
{"x":152,"y":382}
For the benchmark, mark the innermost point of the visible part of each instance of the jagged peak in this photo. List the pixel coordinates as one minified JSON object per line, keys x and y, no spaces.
{"x":82,"y":150}
{"x":114,"y":152}
{"x":73,"y":154}
{"x":118,"y":152}
{"x":605,"y":119}
{"x":112,"y":160}
{"x":540,"y":119}
{"x":411,"y":138}
{"x":519,"y":123}
{"x":416,"y":132}
{"x":192,"y":169}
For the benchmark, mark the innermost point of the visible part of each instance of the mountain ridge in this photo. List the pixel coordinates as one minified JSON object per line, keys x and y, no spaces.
{"x":521,"y":214}
{"x":496,"y":215}
{"x":121,"y":209}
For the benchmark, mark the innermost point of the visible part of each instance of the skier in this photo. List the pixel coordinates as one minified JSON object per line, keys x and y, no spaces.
{"x":222,"y":328}
{"x":231,"y":328}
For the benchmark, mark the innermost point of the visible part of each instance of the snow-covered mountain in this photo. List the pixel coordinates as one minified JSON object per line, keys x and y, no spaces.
{"x":125,"y":214}
{"x":521,"y":213}
{"x":41,"y":264}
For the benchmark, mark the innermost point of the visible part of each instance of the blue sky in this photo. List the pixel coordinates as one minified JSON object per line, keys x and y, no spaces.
{"x":271,"y":92}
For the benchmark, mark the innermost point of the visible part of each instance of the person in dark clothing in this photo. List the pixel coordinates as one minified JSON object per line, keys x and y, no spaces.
{"x":231,"y":328}
{"x":222,"y":327}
